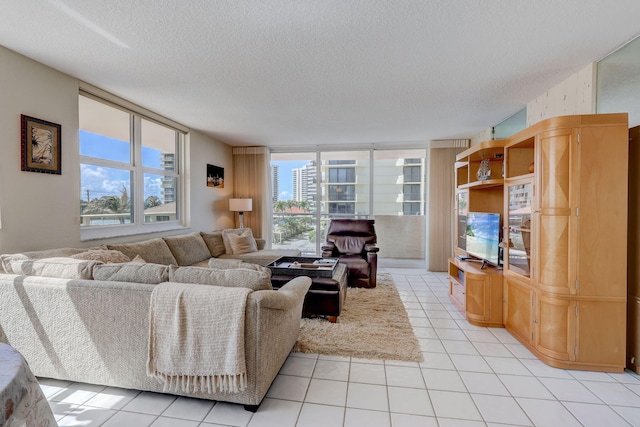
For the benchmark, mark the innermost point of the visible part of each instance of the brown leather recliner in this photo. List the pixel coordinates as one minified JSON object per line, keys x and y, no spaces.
{"x":354,"y":242}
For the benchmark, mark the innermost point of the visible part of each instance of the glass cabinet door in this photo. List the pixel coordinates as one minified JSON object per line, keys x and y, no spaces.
{"x":462,"y":204}
{"x":520,"y":202}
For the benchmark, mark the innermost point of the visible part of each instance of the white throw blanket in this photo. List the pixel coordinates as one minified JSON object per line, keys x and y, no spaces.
{"x":196,"y":337}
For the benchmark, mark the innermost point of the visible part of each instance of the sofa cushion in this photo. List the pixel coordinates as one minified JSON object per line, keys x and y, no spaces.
{"x":237,"y":277}
{"x":135,"y":272}
{"x":188,"y":248}
{"x":242,"y":244}
{"x":104,"y":255}
{"x":154,"y":251}
{"x":225,"y":264}
{"x":263,"y":257}
{"x":214,"y":242}
{"x":5,"y":259}
{"x":61,"y":267}
{"x":244,"y":232}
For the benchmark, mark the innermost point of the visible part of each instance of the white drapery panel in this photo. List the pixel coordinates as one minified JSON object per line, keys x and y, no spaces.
{"x":441,"y":192}
{"x":251,"y":180}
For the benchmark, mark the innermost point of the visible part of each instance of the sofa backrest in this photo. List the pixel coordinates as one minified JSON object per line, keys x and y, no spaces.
{"x":255,"y":279}
{"x":188,"y":249}
{"x":155,"y":251}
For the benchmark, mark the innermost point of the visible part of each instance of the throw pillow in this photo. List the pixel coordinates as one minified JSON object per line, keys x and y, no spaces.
{"x":214,"y":242}
{"x":188,"y":249}
{"x":235,"y":231}
{"x":135,"y":272}
{"x":237,"y":277}
{"x":153,"y":250}
{"x":104,"y":255}
{"x":63,"y":267}
{"x":139,"y":260}
{"x":242,"y":244}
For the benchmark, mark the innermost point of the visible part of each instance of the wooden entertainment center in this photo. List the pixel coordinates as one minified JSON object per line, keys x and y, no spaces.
{"x":561,"y":188}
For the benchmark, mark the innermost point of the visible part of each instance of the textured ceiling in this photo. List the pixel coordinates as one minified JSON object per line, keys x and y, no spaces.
{"x":294,"y":73}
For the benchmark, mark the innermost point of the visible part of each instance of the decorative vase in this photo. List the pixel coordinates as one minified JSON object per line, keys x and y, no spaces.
{"x":484,"y":172}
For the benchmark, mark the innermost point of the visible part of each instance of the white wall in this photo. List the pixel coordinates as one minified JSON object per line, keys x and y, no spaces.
{"x":575,"y":95}
{"x":40,"y":211}
{"x":209,"y":206}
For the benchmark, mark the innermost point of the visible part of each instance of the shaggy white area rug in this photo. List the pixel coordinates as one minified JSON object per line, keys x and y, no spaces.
{"x":373,"y":325}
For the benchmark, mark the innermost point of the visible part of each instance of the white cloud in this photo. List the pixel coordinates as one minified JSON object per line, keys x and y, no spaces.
{"x":284,"y":195}
{"x":104,"y":181}
{"x":101,"y":181}
{"x":152,"y":186}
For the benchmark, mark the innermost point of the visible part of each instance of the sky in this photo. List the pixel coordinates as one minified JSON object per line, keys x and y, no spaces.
{"x":102,"y":181}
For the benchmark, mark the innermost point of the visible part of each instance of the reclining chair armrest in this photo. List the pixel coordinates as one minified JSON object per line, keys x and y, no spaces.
{"x":371,"y":247}
{"x":327,"y":249}
{"x":291,"y":293}
{"x":372,"y":260}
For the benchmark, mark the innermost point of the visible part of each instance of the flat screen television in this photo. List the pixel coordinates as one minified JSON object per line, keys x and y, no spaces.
{"x":483,"y":236}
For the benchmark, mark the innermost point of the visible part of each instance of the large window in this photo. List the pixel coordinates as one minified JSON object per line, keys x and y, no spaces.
{"x":315,"y":187}
{"x":129,"y":169}
{"x":345,"y":183}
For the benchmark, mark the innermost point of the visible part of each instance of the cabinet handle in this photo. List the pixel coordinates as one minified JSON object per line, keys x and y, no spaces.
{"x":535,"y":321}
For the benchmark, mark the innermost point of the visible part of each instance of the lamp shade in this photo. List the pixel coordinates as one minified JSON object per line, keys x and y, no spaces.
{"x":240,"y":205}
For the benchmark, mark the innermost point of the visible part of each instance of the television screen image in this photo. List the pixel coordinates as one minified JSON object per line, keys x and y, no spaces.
{"x":483,"y":236}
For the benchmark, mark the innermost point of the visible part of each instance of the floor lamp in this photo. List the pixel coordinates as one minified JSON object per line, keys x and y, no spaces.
{"x":241,"y":206}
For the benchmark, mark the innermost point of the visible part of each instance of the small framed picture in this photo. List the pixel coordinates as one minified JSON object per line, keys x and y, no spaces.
{"x":41,"y":146}
{"x":215,"y":176}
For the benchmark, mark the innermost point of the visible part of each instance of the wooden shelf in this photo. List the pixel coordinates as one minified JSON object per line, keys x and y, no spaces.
{"x":519,"y":156}
{"x":468,"y":162}
{"x":483,"y":150}
{"x":487,"y":183}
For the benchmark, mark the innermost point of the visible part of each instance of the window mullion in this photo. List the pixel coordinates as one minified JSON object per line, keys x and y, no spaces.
{"x":138,"y":175}
{"x":106,"y":163}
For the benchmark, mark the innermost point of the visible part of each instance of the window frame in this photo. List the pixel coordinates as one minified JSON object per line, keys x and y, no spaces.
{"x":138,"y":172}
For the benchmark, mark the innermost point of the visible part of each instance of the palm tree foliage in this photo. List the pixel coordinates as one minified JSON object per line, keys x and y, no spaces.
{"x":111,"y":204}
{"x":290,"y":222}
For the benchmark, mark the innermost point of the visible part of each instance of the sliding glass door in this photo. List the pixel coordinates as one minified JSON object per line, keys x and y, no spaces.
{"x":294,"y":207}
{"x":309,"y":189}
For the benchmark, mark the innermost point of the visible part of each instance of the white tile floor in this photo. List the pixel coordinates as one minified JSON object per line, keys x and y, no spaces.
{"x":470,"y":376}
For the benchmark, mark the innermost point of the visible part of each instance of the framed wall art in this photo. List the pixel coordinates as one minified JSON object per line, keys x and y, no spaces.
{"x":41,"y":145}
{"x":215,"y":176}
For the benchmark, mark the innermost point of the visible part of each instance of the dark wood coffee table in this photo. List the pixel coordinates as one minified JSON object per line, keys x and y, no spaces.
{"x":328,"y":283}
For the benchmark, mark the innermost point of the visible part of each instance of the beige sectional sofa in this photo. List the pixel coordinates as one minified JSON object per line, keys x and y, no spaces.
{"x":74,"y":316}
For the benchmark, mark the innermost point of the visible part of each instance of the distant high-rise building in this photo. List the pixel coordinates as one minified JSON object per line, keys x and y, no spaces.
{"x":297,"y":182}
{"x":275,"y":183}
{"x":167,"y":162}
{"x":304,"y":183}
